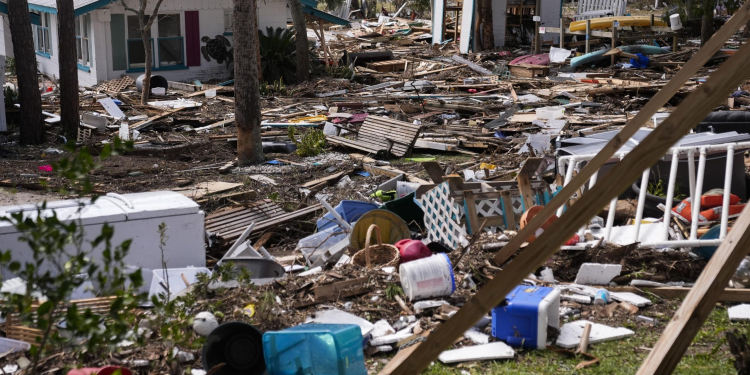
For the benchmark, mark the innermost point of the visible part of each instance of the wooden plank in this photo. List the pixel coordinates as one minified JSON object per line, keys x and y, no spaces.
{"x":280,"y":219}
{"x":524,"y":186}
{"x":434,"y":171}
{"x":510,"y":215}
{"x":696,"y":307}
{"x":420,"y":74}
{"x":328,"y":179}
{"x":643,"y":116}
{"x":470,"y":205}
{"x":148,"y":121}
{"x":398,"y":359}
{"x":690,"y":112}
{"x":334,"y":288}
{"x":344,"y":294}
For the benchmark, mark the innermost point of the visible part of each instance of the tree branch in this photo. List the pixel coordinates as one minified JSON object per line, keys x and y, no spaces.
{"x":124,"y":5}
{"x":154,"y":13}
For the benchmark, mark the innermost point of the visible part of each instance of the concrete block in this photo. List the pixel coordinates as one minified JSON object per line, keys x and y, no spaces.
{"x":570,"y":334}
{"x":495,"y":350}
{"x":739,"y":312}
{"x":597,"y":274}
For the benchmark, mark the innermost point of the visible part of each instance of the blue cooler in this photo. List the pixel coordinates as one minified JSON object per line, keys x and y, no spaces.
{"x":522,"y":319}
{"x":320,"y":349}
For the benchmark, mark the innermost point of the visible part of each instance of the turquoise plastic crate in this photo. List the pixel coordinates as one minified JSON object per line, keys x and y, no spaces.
{"x":320,"y":349}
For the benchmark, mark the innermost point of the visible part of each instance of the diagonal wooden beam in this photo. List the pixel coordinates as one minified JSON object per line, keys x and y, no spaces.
{"x":685,"y":117}
{"x":653,"y":105}
{"x":696,"y":307}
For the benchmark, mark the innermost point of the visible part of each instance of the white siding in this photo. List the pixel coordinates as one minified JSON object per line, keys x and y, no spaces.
{"x":51,"y":65}
{"x":6,"y":45}
{"x":499,"y":8}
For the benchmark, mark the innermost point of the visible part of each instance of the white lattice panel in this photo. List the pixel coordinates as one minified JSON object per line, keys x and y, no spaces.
{"x":442,"y":216}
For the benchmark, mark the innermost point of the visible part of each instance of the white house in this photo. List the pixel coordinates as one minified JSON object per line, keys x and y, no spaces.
{"x":110,"y":45}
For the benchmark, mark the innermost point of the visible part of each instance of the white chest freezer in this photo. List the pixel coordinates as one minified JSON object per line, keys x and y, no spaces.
{"x":133,"y":216}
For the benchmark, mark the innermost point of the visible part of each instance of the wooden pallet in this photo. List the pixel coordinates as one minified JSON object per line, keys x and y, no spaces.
{"x":382,"y":135}
{"x":14,"y":328}
{"x":388,"y":66}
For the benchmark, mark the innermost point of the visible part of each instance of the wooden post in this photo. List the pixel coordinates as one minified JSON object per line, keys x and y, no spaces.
{"x":649,"y":151}
{"x":696,"y":307}
{"x":470,"y":204}
{"x":537,"y":35}
{"x":562,"y":33}
{"x":524,"y":186}
{"x":510,"y":215}
{"x":675,"y":46}
{"x":323,"y":43}
{"x":644,"y":115}
{"x":588,"y":30}
{"x":614,"y":45}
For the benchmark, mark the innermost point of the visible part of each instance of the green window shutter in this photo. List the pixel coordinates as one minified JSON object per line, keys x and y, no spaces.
{"x":119,"y":57}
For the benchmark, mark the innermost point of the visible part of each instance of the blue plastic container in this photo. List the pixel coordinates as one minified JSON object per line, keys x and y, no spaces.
{"x":350,"y":211}
{"x":320,"y":349}
{"x":522,"y":320}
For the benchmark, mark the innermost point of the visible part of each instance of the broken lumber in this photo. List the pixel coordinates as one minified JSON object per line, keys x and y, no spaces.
{"x":334,"y":288}
{"x":148,"y":121}
{"x":690,"y":112}
{"x":696,"y":307}
{"x":472,"y":66}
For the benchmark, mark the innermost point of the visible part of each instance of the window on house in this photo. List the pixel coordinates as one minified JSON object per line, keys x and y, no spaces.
{"x":228,"y":21}
{"x":136,"y":53}
{"x":83,"y":46}
{"x":42,"y":42}
{"x":170,"y":41}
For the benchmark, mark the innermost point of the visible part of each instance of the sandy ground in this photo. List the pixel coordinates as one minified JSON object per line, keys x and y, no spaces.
{"x":11,"y":197}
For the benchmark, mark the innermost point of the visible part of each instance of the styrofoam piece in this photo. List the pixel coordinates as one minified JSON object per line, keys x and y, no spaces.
{"x":630,"y":298}
{"x":482,"y":322}
{"x":111,"y":108}
{"x":576,"y":298}
{"x":336,"y":316}
{"x":637,"y":282}
{"x":625,"y":235}
{"x":311,"y":271}
{"x":495,"y":350}
{"x":547,"y":275}
{"x":739,"y":312}
{"x":382,"y":328}
{"x":174,"y":280}
{"x":570,"y":334}
{"x":393,"y":338}
{"x":477,"y":337}
{"x":422,"y":305}
{"x":597,"y":273}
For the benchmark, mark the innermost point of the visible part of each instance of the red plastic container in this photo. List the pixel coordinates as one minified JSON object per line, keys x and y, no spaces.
{"x":412,"y":250}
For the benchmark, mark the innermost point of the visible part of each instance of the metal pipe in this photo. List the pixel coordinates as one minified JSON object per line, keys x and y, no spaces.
{"x":568,"y":177}
{"x":691,"y":171}
{"x":641,"y":202}
{"x":610,"y":218}
{"x":230,"y":253}
{"x":592,"y":181}
{"x":696,"y":201}
{"x":727,"y":192}
{"x":670,"y":194}
{"x":335,"y":214}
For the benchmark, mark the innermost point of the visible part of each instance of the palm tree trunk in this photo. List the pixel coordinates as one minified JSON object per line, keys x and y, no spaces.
{"x":707,"y":25}
{"x":246,"y":90}
{"x":32,"y":127}
{"x":66,"y":35}
{"x":300,"y":28}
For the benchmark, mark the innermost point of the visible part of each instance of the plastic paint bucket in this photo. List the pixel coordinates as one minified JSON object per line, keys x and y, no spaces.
{"x":428,"y":277}
{"x":404,"y":188}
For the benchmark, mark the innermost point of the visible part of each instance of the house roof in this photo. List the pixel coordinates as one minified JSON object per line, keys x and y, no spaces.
{"x":311,"y":7}
{"x":50,"y":6}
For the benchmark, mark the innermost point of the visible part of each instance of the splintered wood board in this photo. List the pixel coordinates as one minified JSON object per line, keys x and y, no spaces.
{"x":388,"y":66}
{"x":204,"y":188}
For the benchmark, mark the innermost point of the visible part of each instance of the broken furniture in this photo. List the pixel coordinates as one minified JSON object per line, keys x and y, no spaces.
{"x":522,"y":319}
{"x":381,"y":136}
{"x":133,"y":216}
{"x":588,"y":9}
{"x":724,"y":153}
{"x":528,"y":70}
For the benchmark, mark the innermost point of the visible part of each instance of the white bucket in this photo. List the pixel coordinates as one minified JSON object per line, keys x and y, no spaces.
{"x":404,"y":188}
{"x":550,"y":113}
{"x":675,"y":23}
{"x":211,"y":93}
{"x":159,"y":91}
{"x":427,"y":277}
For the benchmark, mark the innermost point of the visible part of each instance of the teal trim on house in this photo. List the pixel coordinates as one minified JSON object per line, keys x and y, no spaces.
{"x":40,"y":8}
{"x":93,"y":6}
{"x":311,"y":7}
{"x":84,"y":67}
{"x":3,"y":8}
{"x":44,"y":54}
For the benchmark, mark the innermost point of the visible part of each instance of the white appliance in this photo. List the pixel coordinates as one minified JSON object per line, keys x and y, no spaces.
{"x":133,"y":216}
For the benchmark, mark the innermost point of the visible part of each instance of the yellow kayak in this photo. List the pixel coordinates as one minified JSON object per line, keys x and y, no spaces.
{"x":606,"y":22}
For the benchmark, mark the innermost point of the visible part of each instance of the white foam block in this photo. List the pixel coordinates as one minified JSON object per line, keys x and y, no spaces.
{"x":570,"y":334}
{"x":739,"y":312}
{"x":391,"y":339}
{"x":576,"y":298}
{"x":477,"y":337}
{"x":495,"y":350}
{"x":630,"y":298}
{"x":597,"y":274}
{"x":382,"y":328}
{"x":335,"y":316}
